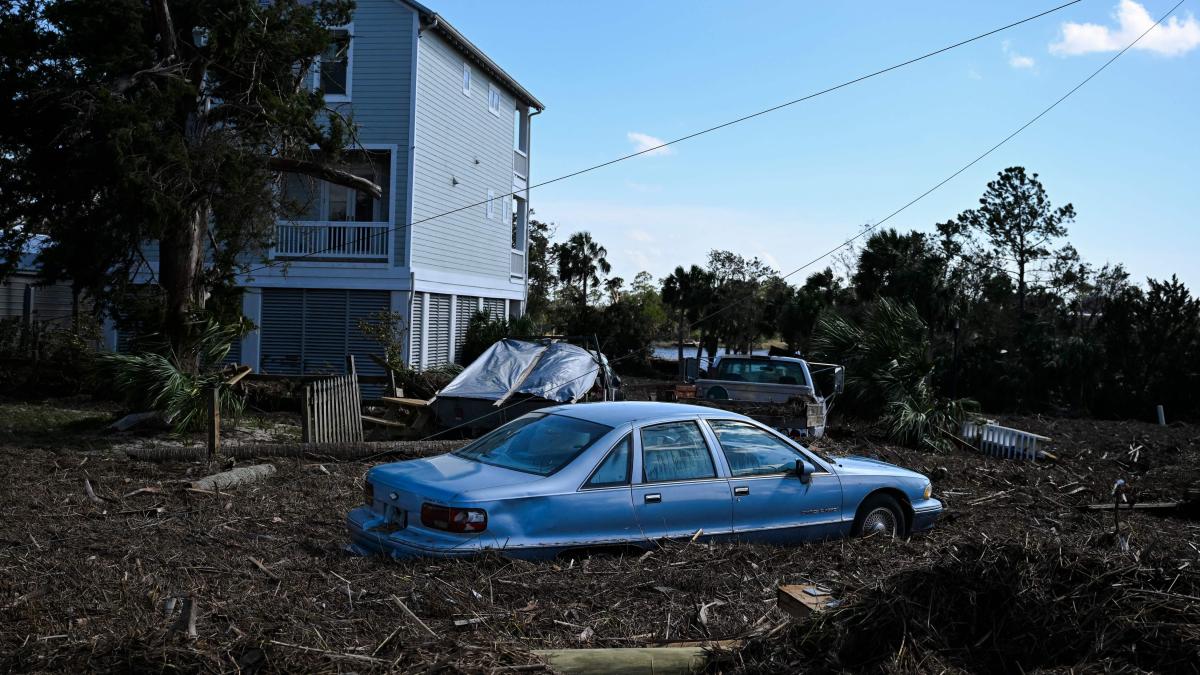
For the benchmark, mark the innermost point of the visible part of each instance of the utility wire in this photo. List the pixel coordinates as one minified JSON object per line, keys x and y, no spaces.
{"x":966,"y":166}
{"x":690,"y":136}
{"x":891,"y":215}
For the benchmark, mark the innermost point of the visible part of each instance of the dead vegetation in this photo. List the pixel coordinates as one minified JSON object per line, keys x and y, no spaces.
{"x":149,"y":575}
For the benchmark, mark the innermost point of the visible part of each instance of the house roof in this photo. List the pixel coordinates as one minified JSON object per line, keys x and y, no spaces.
{"x":431,"y":19}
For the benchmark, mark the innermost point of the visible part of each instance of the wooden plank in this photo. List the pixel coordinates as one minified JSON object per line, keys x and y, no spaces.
{"x":1140,"y":506}
{"x":214,"y":423}
{"x":800,"y":601}
{"x":384,"y":423}
{"x":632,"y":660}
{"x":405,"y":402}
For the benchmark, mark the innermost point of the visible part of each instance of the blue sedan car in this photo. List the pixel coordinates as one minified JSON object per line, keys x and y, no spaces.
{"x":625,"y":474}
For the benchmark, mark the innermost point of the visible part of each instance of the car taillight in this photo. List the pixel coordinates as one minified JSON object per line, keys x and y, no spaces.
{"x":451,"y":519}
{"x":368,"y":492}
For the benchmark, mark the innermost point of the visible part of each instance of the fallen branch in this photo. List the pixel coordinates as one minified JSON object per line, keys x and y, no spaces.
{"x":414,"y":617}
{"x":233,"y":477}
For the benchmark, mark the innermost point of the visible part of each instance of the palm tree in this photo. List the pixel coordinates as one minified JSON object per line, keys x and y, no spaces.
{"x":689,"y":292}
{"x":612,"y":286}
{"x":581,"y":260}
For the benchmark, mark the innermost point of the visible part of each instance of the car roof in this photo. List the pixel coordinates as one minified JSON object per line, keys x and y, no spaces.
{"x":616,"y":413}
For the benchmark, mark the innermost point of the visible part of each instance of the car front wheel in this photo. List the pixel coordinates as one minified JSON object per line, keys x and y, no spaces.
{"x":879,"y":515}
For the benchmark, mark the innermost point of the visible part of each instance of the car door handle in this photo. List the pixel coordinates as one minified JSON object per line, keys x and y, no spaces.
{"x":653,"y":498}
{"x":741,"y":491}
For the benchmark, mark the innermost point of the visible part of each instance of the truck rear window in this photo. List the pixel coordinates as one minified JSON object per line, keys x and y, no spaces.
{"x":761,"y":372}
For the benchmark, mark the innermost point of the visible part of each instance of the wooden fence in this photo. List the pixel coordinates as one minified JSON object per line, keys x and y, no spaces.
{"x":992,"y":439}
{"x":332,"y":411}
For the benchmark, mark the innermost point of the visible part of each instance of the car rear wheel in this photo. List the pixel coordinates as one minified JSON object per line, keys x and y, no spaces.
{"x":879,"y":515}
{"x":717,"y":394}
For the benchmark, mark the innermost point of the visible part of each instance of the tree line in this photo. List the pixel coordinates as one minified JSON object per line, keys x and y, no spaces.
{"x":993,"y":308}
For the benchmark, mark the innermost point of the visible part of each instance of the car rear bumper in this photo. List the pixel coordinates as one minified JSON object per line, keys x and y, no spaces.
{"x":925,"y":514}
{"x":367,"y":537}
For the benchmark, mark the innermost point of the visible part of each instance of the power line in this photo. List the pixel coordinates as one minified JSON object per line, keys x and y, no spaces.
{"x":966,"y":166}
{"x":690,"y":136}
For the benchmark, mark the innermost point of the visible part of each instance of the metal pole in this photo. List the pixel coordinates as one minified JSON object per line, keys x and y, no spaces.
{"x":1162,"y":416}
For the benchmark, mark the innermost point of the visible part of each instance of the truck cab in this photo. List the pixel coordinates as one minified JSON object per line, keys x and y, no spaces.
{"x":783,"y":380}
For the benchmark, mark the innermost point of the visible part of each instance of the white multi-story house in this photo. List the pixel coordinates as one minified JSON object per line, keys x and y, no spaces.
{"x":440,"y":127}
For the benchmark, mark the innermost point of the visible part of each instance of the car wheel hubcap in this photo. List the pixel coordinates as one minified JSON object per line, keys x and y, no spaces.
{"x":880,"y":521}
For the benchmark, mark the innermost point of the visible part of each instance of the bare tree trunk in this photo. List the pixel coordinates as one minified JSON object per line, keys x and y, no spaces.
{"x":181,"y":257}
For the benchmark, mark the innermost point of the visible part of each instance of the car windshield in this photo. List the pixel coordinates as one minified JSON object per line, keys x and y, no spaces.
{"x":536,"y":443}
{"x":761,"y":372}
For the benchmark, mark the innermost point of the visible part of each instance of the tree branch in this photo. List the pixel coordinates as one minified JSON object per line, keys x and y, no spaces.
{"x":325,"y":173}
{"x":166,"y":30}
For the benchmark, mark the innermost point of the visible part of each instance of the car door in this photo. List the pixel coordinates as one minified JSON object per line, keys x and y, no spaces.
{"x":770,"y":502}
{"x":680,"y":489}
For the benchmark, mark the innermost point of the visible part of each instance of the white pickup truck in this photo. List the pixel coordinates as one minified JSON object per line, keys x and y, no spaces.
{"x":775,"y":379}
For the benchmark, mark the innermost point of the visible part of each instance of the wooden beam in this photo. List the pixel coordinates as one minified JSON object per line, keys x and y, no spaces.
{"x":632,"y":660}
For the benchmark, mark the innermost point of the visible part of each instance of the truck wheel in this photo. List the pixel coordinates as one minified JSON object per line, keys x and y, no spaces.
{"x":879,"y":515}
{"x":717,"y":394}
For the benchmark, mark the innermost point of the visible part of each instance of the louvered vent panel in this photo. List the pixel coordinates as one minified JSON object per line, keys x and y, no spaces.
{"x":281,"y":331}
{"x":467,"y":307}
{"x":494,"y":307}
{"x":414,"y":331}
{"x":439,"y":330}
{"x":325,"y":324}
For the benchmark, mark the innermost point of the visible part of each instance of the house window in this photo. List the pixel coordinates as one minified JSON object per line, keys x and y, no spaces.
{"x":307,"y":199}
{"x":466,"y":83}
{"x":334,"y":66}
{"x":491,"y":204}
{"x":518,"y":238}
{"x":494,"y":100}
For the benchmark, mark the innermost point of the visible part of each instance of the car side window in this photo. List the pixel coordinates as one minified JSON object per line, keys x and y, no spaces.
{"x":751,"y":451}
{"x":675,"y":451}
{"x":615,"y":468}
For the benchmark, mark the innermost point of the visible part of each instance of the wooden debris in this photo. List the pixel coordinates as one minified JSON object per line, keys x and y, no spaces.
{"x":1140,"y":506}
{"x":633,"y":660}
{"x":91,"y":494}
{"x":259,"y":564}
{"x":405,"y":402}
{"x":233,"y":477}
{"x":800,"y":601}
{"x":379,"y":421}
{"x":414,"y":617}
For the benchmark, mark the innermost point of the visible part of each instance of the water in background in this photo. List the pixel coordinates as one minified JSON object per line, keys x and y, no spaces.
{"x":672,"y":354}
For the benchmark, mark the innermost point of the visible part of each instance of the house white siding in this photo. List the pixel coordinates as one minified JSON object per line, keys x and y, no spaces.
{"x":460,"y":151}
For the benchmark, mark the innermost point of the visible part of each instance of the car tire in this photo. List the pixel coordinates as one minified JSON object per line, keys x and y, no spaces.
{"x":717,"y":394}
{"x":879,"y":514}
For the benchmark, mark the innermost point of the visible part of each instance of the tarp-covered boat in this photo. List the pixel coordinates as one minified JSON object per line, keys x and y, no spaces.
{"x":513,"y":377}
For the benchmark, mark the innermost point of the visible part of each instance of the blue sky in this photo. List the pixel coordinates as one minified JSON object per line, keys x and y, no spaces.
{"x":795,"y":183}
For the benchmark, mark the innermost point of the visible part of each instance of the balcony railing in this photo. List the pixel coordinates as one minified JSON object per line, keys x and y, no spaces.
{"x":521,"y":164}
{"x":332,"y":240}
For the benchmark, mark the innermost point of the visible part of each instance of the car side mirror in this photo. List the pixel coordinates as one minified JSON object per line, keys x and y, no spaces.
{"x":802,"y":472}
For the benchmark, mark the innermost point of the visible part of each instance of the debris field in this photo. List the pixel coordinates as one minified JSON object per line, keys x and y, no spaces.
{"x":114,"y":564}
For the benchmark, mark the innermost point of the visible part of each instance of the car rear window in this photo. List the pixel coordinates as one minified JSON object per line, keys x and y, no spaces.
{"x":536,"y":443}
{"x":761,"y":372}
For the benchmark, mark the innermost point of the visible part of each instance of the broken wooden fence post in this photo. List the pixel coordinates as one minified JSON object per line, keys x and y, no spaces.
{"x":214,"y":423}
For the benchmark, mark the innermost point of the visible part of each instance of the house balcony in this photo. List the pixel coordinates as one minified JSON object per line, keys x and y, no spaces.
{"x":521,"y":164}
{"x":333,"y":241}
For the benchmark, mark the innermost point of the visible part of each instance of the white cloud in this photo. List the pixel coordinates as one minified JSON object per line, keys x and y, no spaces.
{"x":1019,"y":61}
{"x":643,"y":142}
{"x":974,"y":74}
{"x":1171,"y":38}
{"x":640,"y":235}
